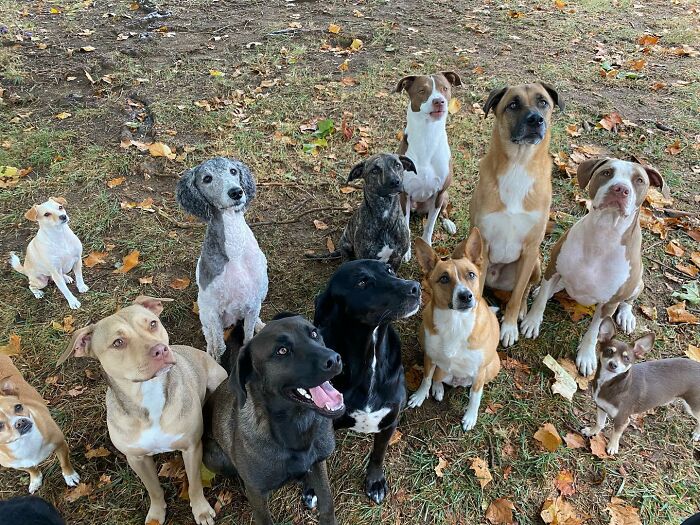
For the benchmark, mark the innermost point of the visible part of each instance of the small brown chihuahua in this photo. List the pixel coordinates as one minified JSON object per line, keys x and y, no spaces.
{"x":623,"y":387}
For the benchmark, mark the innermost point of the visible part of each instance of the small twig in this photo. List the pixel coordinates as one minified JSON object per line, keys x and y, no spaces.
{"x":679,"y":213}
{"x":667,"y":266}
{"x":295,"y":219}
{"x":177,"y":223}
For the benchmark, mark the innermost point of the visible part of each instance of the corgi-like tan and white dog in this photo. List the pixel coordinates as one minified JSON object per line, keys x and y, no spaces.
{"x":28,"y":433}
{"x":460,"y":332}
{"x":53,"y":252}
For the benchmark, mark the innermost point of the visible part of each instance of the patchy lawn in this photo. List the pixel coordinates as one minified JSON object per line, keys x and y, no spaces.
{"x":83,"y":87}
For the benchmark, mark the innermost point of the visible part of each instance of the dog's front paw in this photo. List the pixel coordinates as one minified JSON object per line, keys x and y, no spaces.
{"x":73,"y":303}
{"x":449,"y":226}
{"x":203,"y":513}
{"x":38,"y":293}
{"x":376,"y":489}
{"x":67,"y":278}
{"x":613,"y":448}
{"x":35,"y":483}
{"x":155,"y":513}
{"x":437,"y":391}
{"x":419,"y":395}
{"x":309,"y":498}
{"x":509,"y":334}
{"x":530,"y":326}
{"x":469,"y":420}
{"x":71,"y":478}
{"x":696,"y":434}
{"x":585,"y":360}
{"x":625,"y":319}
{"x":82,"y":288}
{"x":589,"y":432}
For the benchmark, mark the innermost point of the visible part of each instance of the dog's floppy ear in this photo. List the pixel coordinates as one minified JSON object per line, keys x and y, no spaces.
{"x":79,"y":345}
{"x":426,"y":256}
{"x":154,"y":304}
{"x":495,"y":97}
{"x":452,"y":77}
{"x":472,"y":247}
{"x":325,"y":308}
{"x":643,"y":345}
{"x":8,"y":387}
{"x":408,"y":164}
{"x":357,"y":171}
{"x":607,"y":330}
{"x":31,"y":214}
{"x":405,"y":83}
{"x":586,"y":170}
{"x":190,"y":198}
{"x":655,"y":179}
{"x":59,"y":200}
{"x":241,"y":375}
{"x":248,"y":183}
{"x":556,"y":98}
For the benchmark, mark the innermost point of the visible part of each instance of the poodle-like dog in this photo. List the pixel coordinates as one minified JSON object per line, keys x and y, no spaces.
{"x":231,"y":270}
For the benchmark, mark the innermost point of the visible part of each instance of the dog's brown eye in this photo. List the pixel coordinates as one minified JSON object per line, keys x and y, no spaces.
{"x":444,"y":279}
{"x":206,"y":179}
{"x":154,"y":323}
{"x":471,"y":275}
{"x":314,"y":334}
{"x":362,"y":283}
{"x":18,"y":408}
{"x":2,"y":426}
{"x":543,"y":103}
{"x":282,"y":350}
{"x":47,"y":214}
{"x":118,"y":343}
{"x":640,"y":180}
{"x":513,"y":105}
{"x":60,"y":207}
{"x":233,"y":171}
{"x":376,"y":170}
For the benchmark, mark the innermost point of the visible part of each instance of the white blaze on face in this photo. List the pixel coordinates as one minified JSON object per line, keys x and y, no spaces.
{"x":385,"y":254}
{"x":623,"y":172}
{"x":427,"y":106}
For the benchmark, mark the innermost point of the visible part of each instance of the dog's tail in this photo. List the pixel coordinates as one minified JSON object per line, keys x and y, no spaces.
{"x":323,"y":256}
{"x":16,"y":263}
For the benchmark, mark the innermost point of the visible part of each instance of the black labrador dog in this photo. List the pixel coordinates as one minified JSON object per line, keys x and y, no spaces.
{"x":354,"y":315}
{"x":271,"y":422}
{"x":29,"y":510}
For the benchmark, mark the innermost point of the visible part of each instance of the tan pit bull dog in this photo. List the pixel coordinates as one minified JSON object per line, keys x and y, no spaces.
{"x":154,"y":397}
{"x":598,"y":261}
{"x":511,"y":203}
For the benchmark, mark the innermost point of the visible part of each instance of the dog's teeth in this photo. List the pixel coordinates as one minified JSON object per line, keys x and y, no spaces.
{"x":301,"y":391}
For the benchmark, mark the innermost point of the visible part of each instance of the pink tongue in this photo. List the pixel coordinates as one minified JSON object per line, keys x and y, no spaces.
{"x":325,"y":396}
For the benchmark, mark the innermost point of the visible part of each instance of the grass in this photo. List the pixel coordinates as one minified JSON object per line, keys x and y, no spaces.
{"x":657,"y":469}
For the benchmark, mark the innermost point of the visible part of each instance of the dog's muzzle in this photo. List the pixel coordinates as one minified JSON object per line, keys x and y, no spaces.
{"x":23,"y":426}
{"x":462,"y":299}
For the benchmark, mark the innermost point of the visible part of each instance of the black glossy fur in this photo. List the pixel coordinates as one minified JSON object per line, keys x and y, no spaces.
{"x":361,"y":299}
{"x":29,"y":510}
{"x":255,"y":432}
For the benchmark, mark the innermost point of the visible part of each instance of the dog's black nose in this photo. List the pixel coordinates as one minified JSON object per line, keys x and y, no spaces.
{"x":235,"y":193}
{"x":62,"y":217}
{"x":534,"y":119}
{"x":465,"y":296}
{"x":333,"y":361}
{"x":415,"y":290}
{"x":23,"y":426}
{"x":395,"y":183}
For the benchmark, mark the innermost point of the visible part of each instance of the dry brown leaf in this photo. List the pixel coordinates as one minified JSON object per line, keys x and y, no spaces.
{"x":564,"y":483}
{"x":440,"y":467}
{"x":159,"y":149}
{"x":347,"y":189}
{"x":344,"y":65}
{"x":687,"y":269}
{"x":598,"y":445}
{"x":129,"y":262}
{"x":13,"y":346}
{"x":481,"y":471}
{"x":638,"y":65}
{"x":675,"y":148}
{"x":649,"y":312}
{"x":693,"y":352}
{"x":329,"y":245}
{"x":104,"y":481}
{"x":65,"y":327}
{"x":678,"y":314}
{"x":414,"y":377}
{"x":559,"y":512}
{"x":77,"y":390}
{"x":500,"y":512}
{"x":395,"y":437}
{"x":179,"y":283}
{"x":695,"y":258}
{"x":574,"y":441}
{"x":570,"y":366}
{"x":648,"y":40}
{"x":94,"y":258}
{"x":657,"y":200}
{"x":574,"y":309}
{"x":83,"y":489}
{"x":100,"y":452}
{"x":454,"y":106}
{"x":573,"y":130}
{"x":146,"y":280}
{"x":622,"y":514}
{"x":113,"y":183}
{"x":548,"y":437}
{"x":609,"y":122}
{"x":334,"y":28}
{"x":675,"y":249}
{"x":224,"y":498}
{"x":320,"y":225}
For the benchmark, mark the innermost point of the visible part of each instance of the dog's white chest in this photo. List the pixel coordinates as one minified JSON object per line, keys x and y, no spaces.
{"x":506,"y":230}
{"x":430,"y":152}
{"x":593,"y":265}
{"x":367,"y":421}
{"x":449,"y":349}
{"x":608,"y":408}
{"x":154,"y":439}
{"x":29,"y":450}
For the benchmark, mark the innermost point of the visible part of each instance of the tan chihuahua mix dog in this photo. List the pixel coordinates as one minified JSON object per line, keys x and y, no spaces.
{"x":460,"y":332}
{"x":28,"y":433}
{"x":53,"y":252}
{"x":154,"y":397}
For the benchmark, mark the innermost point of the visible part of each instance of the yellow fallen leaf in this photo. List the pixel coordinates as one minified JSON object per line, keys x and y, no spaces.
{"x":334,"y":28}
{"x":100,"y":452}
{"x":195,"y":308}
{"x":206,"y":475}
{"x":63,"y":115}
{"x":481,"y":471}
{"x":559,"y":512}
{"x":344,"y":66}
{"x":13,"y":346}
{"x":216,"y":73}
{"x":559,"y":4}
{"x":179,"y":283}
{"x":576,"y":311}
{"x":695,"y":258}
{"x":128,"y":262}
{"x":67,"y":325}
{"x":113,"y":183}
{"x":548,"y":437}
{"x":454,"y":106}
{"x":55,"y":11}
{"x":678,"y":314}
{"x":440,"y":467}
{"x":572,"y":369}
{"x":94,"y":258}
{"x":693,"y":352}
{"x":564,"y":384}
{"x":356,"y":44}
{"x":159,"y":149}
{"x":87,"y":49}
{"x":395,"y":437}
{"x":675,"y":249}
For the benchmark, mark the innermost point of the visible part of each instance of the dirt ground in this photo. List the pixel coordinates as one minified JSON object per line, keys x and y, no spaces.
{"x":86,"y":86}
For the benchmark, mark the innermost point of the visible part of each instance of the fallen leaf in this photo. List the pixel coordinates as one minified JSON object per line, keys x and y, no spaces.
{"x":648,"y":40}
{"x":320,"y":225}
{"x":224,"y":498}
{"x":548,"y":437}
{"x":347,"y":189}
{"x":574,"y":441}
{"x":658,"y":86}
{"x":673,"y":248}
{"x":687,"y":269}
{"x":344,"y":66}
{"x":690,"y":292}
{"x":693,"y":352}
{"x":206,"y":475}
{"x":572,"y":369}
{"x":678,"y":314}
{"x":334,"y":28}
{"x":622,"y":514}
{"x":179,"y":283}
{"x":76,"y":391}
{"x":13,"y":346}
{"x":564,"y":384}
{"x":560,"y":4}
{"x":87,"y":49}
{"x":649,"y":312}
{"x":440,"y":467}
{"x":94,"y":258}
{"x":638,"y":65}
{"x":100,"y":452}
{"x":657,"y":200}
{"x":576,"y":311}
{"x":500,"y":512}
{"x":104,"y":481}
{"x":329,"y":245}
{"x":129,"y":262}
{"x":559,"y":512}
{"x":113,"y":183}
{"x":481,"y":471}
{"x":611,"y":121}
{"x":564,"y":483}
{"x":65,"y":327}
{"x":695,"y":258}
{"x":454,"y":106}
{"x":395,"y":437}
{"x":674,"y":148}
{"x":414,"y":377}
{"x":83,"y":489}
{"x":573,"y":130}
{"x":146,"y":280}
{"x":216,"y":73}
{"x":598,"y":445}
{"x":159,"y":149}
{"x":356,"y":44}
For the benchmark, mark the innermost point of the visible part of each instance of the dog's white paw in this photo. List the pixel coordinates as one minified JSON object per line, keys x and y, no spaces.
{"x":586,"y":360}
{"x":37,"y":293}
{"x":67,"y":278}
{"x":82,"y":288}
{"x":530,"y":326}
{"x":625,"y":319}
{"x":696,"y":435}
{"x":35,"y":483}
{"x":203,"y":513}
{"x":449,"y":226}
{"x":613,"y":448}
{"x":437,"y":391}
{"x":509,"y":334}
{"x":73,"y":303}
{"x":72,"y":479}
{"x":156,"y":513}
{"x":588,"y":432}
{"x":469,"y":420}
{"x":419,"y":395}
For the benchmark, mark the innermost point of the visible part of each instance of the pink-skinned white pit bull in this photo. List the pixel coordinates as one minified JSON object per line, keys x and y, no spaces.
{"x":598,"y":261}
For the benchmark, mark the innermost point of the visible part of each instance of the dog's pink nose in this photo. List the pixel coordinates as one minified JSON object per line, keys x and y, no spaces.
{"x":621,"y":189}
{"x":438,"y":102}
{"x":159,"y":351}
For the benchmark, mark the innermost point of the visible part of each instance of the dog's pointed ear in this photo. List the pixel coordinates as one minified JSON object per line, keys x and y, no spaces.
{"x":190,"y":198}
{"x":586,"y":170}
{"x":8,"y":387}
{"x":472,"y":247}
{"x":425,"y":255}
{"x":248,"y":183}
{"x":405,"y":83}
{"x":154,"y":304}
{"x":407,"y":163}
{"x":241,"y":375}
{"x":643,"y":345}
{"x":607,"y":330}
{"x":59,"y":200}
{"x":357,"y":171}
{"x":80,"y":344}
{"x":556,"y":98}
{"x":31,"y":214}
{"x":495,"y":97}
{"x":325,"y":308}
{"x":452,"y":77}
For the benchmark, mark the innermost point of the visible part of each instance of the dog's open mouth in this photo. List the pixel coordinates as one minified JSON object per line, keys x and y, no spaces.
{"x":324,"y":397}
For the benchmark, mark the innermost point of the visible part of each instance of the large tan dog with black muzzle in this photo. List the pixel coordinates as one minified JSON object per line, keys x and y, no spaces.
{"x":154,"y":397}
{"x":511,"y":203}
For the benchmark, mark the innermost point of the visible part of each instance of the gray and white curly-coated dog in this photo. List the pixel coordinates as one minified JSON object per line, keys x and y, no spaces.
{"x":231,"y":270}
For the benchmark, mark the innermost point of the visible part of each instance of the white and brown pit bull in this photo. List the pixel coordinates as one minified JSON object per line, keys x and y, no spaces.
{"x":598,"y":261}
{"x":154,"y":397}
